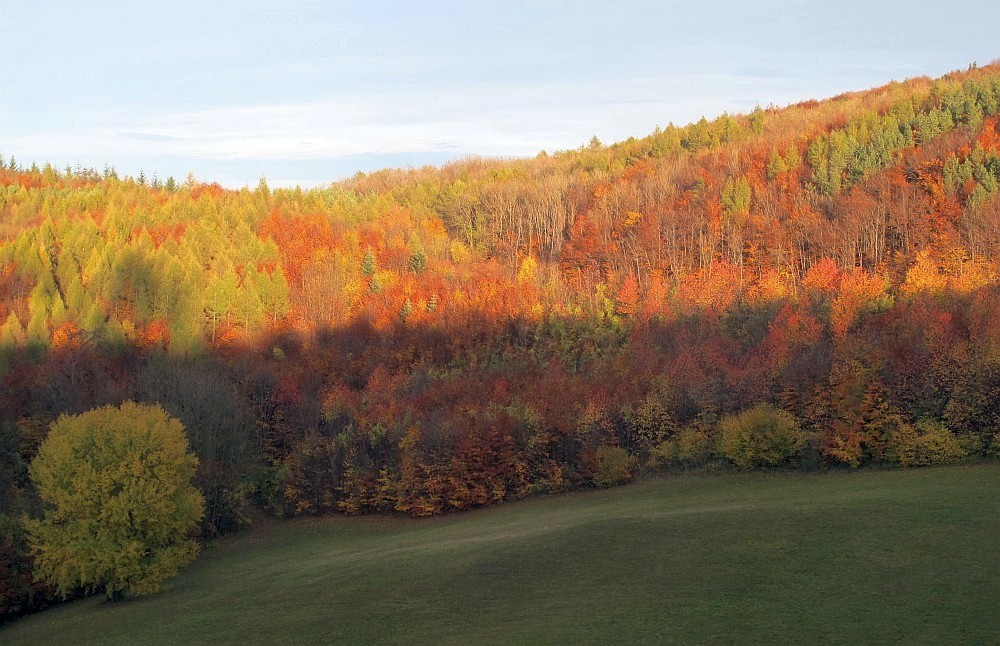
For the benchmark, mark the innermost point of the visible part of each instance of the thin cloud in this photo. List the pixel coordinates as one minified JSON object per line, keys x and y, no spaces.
{"x":148,"y":136}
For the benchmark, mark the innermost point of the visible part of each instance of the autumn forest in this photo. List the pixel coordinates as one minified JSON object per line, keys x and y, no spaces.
{"x":809,"y":287}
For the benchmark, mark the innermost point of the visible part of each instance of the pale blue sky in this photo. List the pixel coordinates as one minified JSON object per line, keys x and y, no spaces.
{"x":310,"y":92}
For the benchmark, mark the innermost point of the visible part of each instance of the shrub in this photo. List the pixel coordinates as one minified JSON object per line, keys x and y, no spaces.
{"x":614,"y":466}
{"x":992,"y":448}
{"x":928,"y":442}
{"x":690,"y":448}
{"x":970,"y":443}
{"x":649,"y":423}
{"x":761,"y":436}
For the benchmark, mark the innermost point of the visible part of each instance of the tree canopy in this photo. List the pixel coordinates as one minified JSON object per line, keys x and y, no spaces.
{"x":434,"y":339}
{"x":119,"y":502}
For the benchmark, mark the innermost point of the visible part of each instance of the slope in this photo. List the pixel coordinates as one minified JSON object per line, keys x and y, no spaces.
{"x":868,"y":557}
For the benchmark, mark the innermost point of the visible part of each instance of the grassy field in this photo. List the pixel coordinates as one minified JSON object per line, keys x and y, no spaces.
{"x":861,"y":557}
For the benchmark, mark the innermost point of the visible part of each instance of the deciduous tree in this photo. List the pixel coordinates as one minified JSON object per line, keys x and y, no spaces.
{"x":116,"y":483}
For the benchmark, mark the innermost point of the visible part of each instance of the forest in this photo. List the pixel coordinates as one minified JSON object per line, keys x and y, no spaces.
{"x":812,"y":287}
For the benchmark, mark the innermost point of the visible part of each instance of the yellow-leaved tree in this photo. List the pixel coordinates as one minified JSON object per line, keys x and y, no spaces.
{"x":119,"y":504}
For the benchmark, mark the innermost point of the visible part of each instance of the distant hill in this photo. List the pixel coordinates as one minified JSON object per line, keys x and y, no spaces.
{"x":740,"y":208}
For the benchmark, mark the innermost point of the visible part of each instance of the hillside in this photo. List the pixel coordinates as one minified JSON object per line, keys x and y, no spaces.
{"x":434,"y":340}
{"x":870,"y":557}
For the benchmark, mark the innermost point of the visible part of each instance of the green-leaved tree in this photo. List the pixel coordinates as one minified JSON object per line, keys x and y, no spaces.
{"x":120,"y":508}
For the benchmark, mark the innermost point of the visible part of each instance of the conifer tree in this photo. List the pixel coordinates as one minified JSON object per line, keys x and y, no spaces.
{"x":12,"y":335}
{"x":368,"y":263}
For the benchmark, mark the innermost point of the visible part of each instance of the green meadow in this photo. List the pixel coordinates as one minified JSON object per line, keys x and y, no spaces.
{"x":905,"y":556}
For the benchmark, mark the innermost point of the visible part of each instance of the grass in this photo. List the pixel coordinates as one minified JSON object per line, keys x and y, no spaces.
{"x":862,"y":557}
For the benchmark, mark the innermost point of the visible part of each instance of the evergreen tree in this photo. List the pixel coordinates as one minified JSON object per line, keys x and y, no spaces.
{"x":756,"y":120}
{"x":12,"y":335}
{"x":736,"y":196}
{"x":218,"y":299}
{"x":368,"y":263}
{"x":58,"y":315}
{"x":250,"y":305}
{"x":278,"y":303}
{"x":38,"y":330}
{"x":775,"y":166}
{"x":418,"y":261}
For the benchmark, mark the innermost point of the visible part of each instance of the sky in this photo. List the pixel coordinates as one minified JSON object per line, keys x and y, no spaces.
{"x":311,"y":92}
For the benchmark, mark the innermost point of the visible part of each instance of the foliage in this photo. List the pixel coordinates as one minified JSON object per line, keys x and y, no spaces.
{"x":691,"y":447}
{"x":19,"y":592}
{"x":436,"y":339}
{"x":614,"y":466}
{"x":926,"y":443}
{"x":761,"y":436}
{"x":119,"y":504}
{"x":313,"y":475}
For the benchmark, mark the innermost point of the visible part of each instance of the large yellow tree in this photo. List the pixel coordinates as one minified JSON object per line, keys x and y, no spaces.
{"x":120,"y":507}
